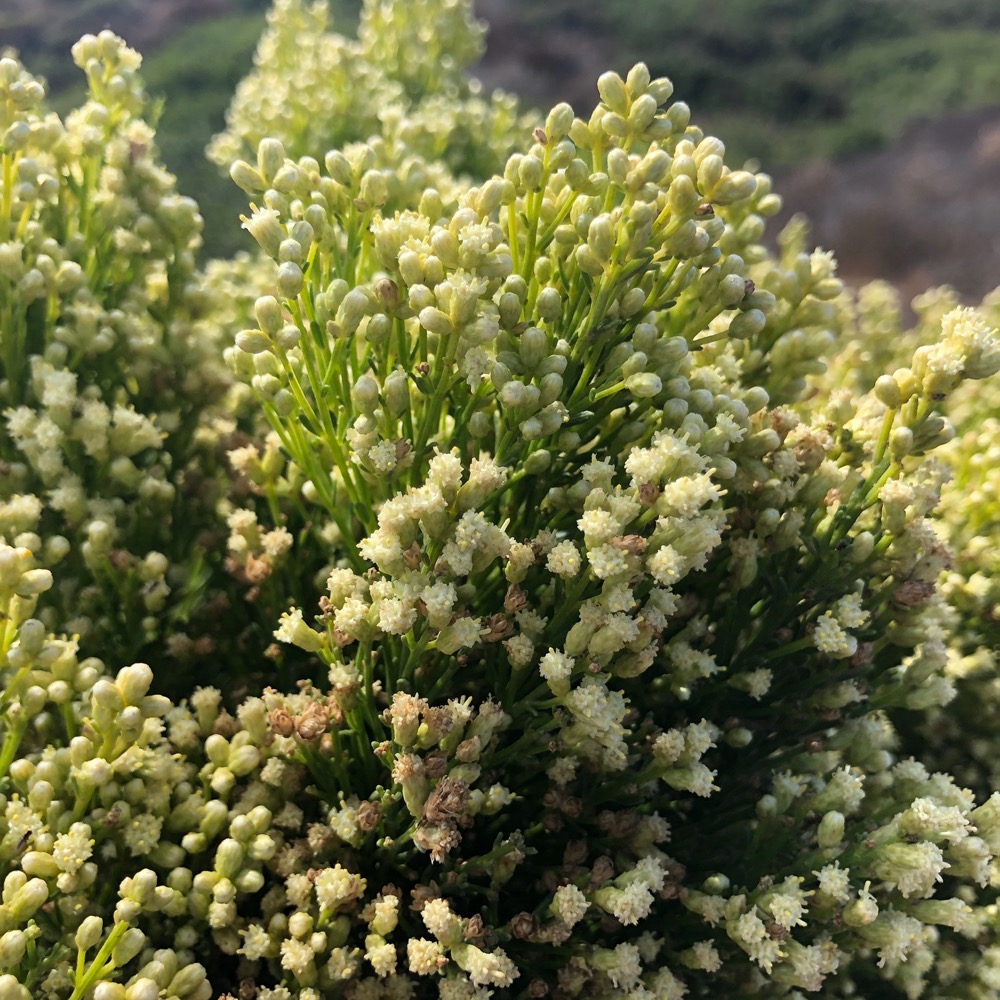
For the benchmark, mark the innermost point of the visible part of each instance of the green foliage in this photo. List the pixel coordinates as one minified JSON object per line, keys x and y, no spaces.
{"x":629,"y":583}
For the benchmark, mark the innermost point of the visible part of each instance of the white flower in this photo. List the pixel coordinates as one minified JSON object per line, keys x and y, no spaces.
{"x":382,"y":957}
{"x":296,"y":956}
{"x":828,"y":637}
{"x":72,"y":848}
{"x":569,"y":905}
{"x":142,"y":833}
{"x":58,"y":388}
{"x":598,"y":526}
{"x":256,"y":942}
{"x":336,"y":886}
{"x":383,"y":456}
{"x":849,"y":612}
{"x":293,"y":629}
{"x":396,"y":616}
{"x":834,"y":881}
{"x":666,"y":565}
{"x":425,"y":957}
{"x":556,"y":668}
{"x":520,"y":650}
{"x":606,"y":561}
{"x":564,"y":560}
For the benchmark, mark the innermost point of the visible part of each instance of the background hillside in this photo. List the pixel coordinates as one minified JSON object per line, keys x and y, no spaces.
{"x":880,"y":118}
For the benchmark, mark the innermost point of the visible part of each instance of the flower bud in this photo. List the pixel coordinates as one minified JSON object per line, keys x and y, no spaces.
{"x":747,"y":324}
{"x":11,"y":989}
{"x":12,"y":947}
{"x":611,"y":87}
{"x":129,"y":945}
{"x":270,"y":158}
{"x":290,"y":279}
{"x":830,"y":831}
{"x":27,"y":899}
{"x":558,"y":122}
{"x":888,"y":392}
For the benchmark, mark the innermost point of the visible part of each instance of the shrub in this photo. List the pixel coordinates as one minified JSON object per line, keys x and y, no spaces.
{"x":631,"y":609}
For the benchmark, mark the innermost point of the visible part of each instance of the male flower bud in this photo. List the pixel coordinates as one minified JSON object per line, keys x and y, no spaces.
{"x":352,"y":310}
{"x":270,"y":158}
{"x":27,"y":899}
{"x":611,"y":87}
{"x":601,"y":238}
{"x":529,"y":173}
{"x":558,"y":122}
{"x":12,"y":948}
{"x":374,"y":189}
{"x":364,"y":394}
{"x":252,"y":341}
{"x":290,"y":279}
{"x":396,"y":392}
{"x":747,"y":324}
{"x":888,"y":392}
{"x":642,"y":113}
{"x":644,"y":385}
{"x":830,"y":831}
{"x":246,"y":177}
{"x":11,"y":989}
{"x":129,"y":945}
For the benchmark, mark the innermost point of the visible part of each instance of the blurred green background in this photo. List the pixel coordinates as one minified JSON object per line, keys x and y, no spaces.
{"x":782,"y":81}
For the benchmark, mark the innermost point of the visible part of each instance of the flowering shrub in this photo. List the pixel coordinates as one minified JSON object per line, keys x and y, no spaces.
{"x":633,"y":583}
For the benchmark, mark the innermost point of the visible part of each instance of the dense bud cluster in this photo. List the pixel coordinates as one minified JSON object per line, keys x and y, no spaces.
{"x":107,"y":364}
{"x":621,"y":588}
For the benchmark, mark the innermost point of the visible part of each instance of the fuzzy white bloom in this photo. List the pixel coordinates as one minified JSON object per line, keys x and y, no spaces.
{"x":352,"y":617}
{"x":439,"y":919}
{"x":381,"y":955}
{"x":439,"y":600}
{"x":849,"y":612}
{"x":143,"y":833}
{"x":474,"y":543}
{"x":914,"y":868}
{"x":485,"y":968}
{"x":342,"y":584}
{"x":569,"y":905}
{"x":336,"y":886}
{"x":520,"y":651}
{"x":830,"y":638}
{"x":256,"y":942}
{"x":596,"y":732}
{"x":425,"y":957}
{"x":564,"y":560}
{"x":787,"y":910}
{"x":58,"y":387}
{"x":72,"y":848}
{"x":751,"y":935}
{"x":598,"y":526}
{"x":686,"y":496}
{"x":835,"y":882}
{"x":296,"y":956}
{"x":276,"y":542}
{"x":607,"y":562}
{"x":396,"y":616}
{"x":666,"y":565}
{"x":556,"y":668}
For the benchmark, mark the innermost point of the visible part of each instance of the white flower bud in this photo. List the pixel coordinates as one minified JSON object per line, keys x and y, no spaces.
{"x":270,"y":158}
{"x":12,"y":947}
{"x":187,"y":981}
{"x":11,"y":989}
{"x":611,"y":87}
{"x":247,"y":178}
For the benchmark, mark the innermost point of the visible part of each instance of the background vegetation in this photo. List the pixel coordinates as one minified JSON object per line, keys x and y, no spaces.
{"x":784,"y":81}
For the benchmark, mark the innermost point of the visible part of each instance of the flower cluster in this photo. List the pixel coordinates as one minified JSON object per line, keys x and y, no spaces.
{"x":620,"y":587}
{"x":107,"y":362}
